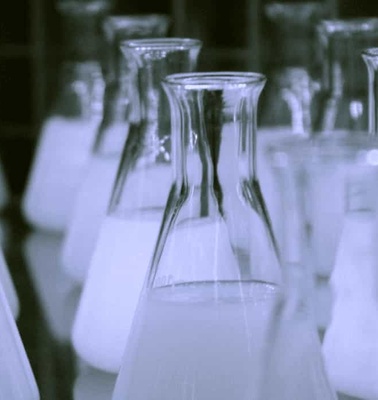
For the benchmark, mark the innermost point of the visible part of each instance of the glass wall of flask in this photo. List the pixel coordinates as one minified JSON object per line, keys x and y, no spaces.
{"x":128,"y":233}
{"x":292,"y":67}
{"x":209,"y":314}
{"x":327,"y":187}
{"x":339,"y":250}
{"x":120,"y":109}
{"x":341,"y":104}
{"x":68,"y":132}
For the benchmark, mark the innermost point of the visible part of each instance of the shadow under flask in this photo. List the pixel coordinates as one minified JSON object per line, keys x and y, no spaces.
{"x":94,"y":194}
{"x":201,"y":328}
{"x":68,"y":132}
{"x":129,"y":231}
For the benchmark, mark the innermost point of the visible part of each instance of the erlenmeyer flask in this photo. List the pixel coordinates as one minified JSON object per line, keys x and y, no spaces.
{"x":354,"y":325}
{"x":286,"y":103}
{"x":6,"y":282}
{"x":350,"y":347}
{"x":16,"y":377}
{"x":129,"y":231}
{"x":95,"y":191}
{"x":202,"y":323}
{"x":68,"y":132}
{"x":342,"y":102}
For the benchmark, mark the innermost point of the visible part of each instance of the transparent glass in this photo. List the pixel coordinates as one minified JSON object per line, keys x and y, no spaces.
{"x":292,"y":83}
{"x":370,"y":57}
{"x":57,"y":294}
{"x":94,"y":194}
{"x":16,"y":377}
{"x":292,"y":36}
{"x":129,"y":231}
{"x":68,"y":132}
{"x":206,"y":320}
{"x":7,"y":284}
{"x":92,"y":384}
{"x":342,"y":103}
{"x":339,"y":249}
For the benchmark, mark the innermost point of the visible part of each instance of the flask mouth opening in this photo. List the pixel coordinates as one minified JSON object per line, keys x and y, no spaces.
{"x":86,"y":7}
{"x":347,"y":27}
{"x":215,"y":80}
{"x":115,"y":23}
{"x":370,"y":52}
{"x":161,"y":44}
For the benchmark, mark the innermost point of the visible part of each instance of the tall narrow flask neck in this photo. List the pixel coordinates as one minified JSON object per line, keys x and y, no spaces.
{"x":81,"y":27}
{"x":294,"y":26}
{"x":154,"y":60}
{"x":216,"y":147}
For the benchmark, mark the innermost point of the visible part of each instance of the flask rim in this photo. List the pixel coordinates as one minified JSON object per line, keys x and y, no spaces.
{"x":160,"y":44}
{"x":119,"y":22}
{"x":347,"y":26}
{"x":370,"y":52}
{"x":214,"y":80}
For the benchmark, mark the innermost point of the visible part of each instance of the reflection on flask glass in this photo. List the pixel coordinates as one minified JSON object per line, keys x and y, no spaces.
{"x":68,"y":132}
{"x":94,"y":194}
{"x":129,"y":231}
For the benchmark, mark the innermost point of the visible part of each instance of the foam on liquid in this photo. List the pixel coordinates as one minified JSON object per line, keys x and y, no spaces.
{"x":57,"y":171}
{"x":112,"y":288}
{"x":88,"y":213}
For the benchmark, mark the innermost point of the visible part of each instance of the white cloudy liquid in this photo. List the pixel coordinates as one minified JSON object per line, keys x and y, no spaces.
{"x":8,"y":286}
{"x":112,"y":288}
{"x":16,"y":377}
{"x":57,"y":171}
{"x":201,"y":341}
{"x":88,"y":213}
{"x":197,"y":341}
{"x":350,"y":344}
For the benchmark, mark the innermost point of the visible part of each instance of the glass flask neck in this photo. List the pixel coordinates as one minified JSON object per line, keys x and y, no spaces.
{"x":370,"y":56}
{"x":81,"y":27}
{"x":81,"y":90}
{"x":226,"y":123}
{"x":294,"y":25}
{"x":120,"y":77}
{"x":343,"y":96}
{"x":149,"y":138}
{"x":120,"y":28}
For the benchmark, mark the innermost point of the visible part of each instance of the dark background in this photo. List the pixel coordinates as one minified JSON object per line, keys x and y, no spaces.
{"x":235,"y":36}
